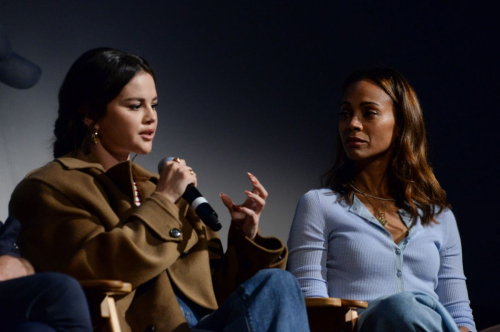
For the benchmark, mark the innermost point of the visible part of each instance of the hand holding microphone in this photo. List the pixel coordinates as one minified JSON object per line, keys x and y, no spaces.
{"x":180,"y":181}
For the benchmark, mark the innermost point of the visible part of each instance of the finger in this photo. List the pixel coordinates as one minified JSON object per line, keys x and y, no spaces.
{"x":171,"y":165}
{"x":177,"y":160}
{"x":260,"y":202}
{"x":190,"y":173}
{"x":176,"y":167}
{"x":258,"y":188}
{"x":249,"y":212}
{"x":194,"y":179}
{"x":228,"y":202}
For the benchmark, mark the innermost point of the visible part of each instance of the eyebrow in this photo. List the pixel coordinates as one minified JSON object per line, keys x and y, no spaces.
{"x":139,"y":99}
{"x":362,"y":104}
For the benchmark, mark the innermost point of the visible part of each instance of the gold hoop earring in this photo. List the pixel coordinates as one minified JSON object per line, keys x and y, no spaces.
{"x":95,"y":136}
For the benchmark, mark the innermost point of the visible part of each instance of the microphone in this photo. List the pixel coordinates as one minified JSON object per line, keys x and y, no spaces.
{"x":197,"y":202}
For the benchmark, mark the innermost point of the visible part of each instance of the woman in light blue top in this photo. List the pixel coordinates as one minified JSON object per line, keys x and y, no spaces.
{"x":381,"y":229}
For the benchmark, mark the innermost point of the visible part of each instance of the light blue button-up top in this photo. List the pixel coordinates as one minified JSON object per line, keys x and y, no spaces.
{"x":341,"y":250}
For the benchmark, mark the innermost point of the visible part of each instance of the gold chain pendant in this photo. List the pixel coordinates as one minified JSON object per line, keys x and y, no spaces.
{"x":382,"y":220}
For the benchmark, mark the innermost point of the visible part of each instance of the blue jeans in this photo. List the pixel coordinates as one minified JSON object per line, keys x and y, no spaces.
{"x":269,"y":301}
{"x":406,"y":311}
{"x":43,"y":302}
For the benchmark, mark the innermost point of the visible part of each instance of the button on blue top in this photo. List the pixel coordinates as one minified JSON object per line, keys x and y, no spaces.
{"x":399,"y":274}
{"x":398,"y":251}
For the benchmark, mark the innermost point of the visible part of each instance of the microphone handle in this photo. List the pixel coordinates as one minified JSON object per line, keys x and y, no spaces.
{"x":200,"y":205}
{"x":197,"y":202}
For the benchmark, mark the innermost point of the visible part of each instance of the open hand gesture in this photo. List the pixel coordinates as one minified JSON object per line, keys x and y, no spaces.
{"x":247,"y":215}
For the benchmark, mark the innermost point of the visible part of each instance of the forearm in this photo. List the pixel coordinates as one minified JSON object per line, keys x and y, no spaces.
{"x":307,"y":242}
{"x":452,"y":288}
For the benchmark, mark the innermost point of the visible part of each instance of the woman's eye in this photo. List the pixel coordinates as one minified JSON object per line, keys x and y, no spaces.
{"x":370,"y":113}
{"x":154,"y":106}
{"x":344,"y":114}
{"x":135,"y":107}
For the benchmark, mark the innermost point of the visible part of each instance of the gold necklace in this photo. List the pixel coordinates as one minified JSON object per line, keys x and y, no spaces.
{"x":356,"y":189}
{"x":381,"y":214}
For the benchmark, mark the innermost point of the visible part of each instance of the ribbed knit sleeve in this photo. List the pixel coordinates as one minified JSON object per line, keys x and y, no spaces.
{"x":308,"y":245}
{"x":451,"y":288}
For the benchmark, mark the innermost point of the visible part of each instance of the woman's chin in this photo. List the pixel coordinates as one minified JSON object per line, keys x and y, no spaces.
{"x":355,"y":156}
{"x":142,"y":152}
{"x":143,"y":149}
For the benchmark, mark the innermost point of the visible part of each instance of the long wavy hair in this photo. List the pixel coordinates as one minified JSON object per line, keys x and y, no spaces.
{"x":95,"y":79}
{"x":411,"y":179}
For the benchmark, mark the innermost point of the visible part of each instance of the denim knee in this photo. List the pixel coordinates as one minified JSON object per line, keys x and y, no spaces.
{"x":406,"y":311}
{"x":277,"y":278}
{"x":30,"y":327}
{"x":275,"y":285}
{"x":396,"y":306}
{"x":60,"y":283}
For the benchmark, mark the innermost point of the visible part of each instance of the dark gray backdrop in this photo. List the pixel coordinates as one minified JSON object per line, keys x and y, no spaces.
{"x":253,"y":86}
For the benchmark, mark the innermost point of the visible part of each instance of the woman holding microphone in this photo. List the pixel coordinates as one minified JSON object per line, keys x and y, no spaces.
{"x":95,"y":214}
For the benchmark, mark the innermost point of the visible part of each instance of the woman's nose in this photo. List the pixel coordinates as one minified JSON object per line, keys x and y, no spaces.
{"x":150,"y":116}
{"x":355,"y":124}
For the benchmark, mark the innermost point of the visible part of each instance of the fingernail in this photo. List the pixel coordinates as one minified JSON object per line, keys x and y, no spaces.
{"x":220,"y":194}
{"x":249,"y":193}
{"x":252,"y":177}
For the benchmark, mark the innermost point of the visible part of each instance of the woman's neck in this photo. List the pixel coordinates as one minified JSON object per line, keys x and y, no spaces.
{"x":372,"y":178}
{"x":98,"y":154}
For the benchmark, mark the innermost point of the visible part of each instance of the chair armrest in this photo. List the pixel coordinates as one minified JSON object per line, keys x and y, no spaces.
{"x":335,"y":302}
{"x":330,"y":314}
{"x":100,"y":297}
{"x":108,"y":287}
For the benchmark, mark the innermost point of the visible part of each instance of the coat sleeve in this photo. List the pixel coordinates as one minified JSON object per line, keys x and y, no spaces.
{"x":138,"y":246}
{"x":451,"y":288}
{"x":8,"y":235}
{"x":243,"y":259}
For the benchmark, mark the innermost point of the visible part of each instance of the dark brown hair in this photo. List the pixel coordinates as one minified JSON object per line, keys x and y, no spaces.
{"x":94,"y":80}
{"x":411,"y":179}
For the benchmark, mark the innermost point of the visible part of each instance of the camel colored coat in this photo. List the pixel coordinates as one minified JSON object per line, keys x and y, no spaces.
{"x":78,"y":219}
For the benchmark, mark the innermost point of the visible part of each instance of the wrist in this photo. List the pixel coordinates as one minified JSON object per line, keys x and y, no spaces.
{"x":170,"y":196}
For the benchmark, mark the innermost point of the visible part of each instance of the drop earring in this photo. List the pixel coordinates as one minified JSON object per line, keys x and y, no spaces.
{"x":95,"y":136}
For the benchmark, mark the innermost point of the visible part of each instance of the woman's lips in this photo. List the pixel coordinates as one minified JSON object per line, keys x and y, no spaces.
{"x":354,"y":141}
{"x":148,"y":135}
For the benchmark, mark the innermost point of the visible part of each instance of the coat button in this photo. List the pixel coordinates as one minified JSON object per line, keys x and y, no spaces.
{"x":175,"y":232}
{"x":150,"y":328}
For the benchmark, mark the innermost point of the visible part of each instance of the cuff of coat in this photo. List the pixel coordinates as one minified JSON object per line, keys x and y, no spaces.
{"x":162,"y":216}
{"x":262,"y":252}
